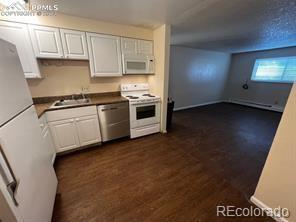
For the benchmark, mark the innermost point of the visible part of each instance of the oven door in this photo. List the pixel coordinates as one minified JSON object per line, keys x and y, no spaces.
{"x":144,"y":114}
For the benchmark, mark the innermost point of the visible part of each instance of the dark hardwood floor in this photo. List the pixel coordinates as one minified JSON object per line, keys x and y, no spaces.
{"x":212,"y":155}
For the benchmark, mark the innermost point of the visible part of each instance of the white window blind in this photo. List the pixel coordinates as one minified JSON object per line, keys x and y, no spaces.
{"x":282,"y":70}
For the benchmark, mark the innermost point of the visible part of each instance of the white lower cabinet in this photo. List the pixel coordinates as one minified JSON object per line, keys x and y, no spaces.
{"x":73,"y":128}
{"x":47,"y":138}
{"x":88,"y":130}
{"x":64,"y":134}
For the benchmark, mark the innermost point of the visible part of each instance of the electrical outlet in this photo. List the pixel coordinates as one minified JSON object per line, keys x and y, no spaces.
{"x":85,"y":88}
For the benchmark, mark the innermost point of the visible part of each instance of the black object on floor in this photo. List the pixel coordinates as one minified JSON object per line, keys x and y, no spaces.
{"x":170,"y":111}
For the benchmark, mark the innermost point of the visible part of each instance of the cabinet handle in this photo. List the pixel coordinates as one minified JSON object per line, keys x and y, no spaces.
{"x":71,"y":120}
{"x":10,"y":180}
{"x":77,"y":119}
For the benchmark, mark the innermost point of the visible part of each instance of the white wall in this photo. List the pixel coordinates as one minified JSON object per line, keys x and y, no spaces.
{"x":159,"y":81}
{"x":276,"y":187}
{"x":197,"y":76}
{"x":275,"y":94}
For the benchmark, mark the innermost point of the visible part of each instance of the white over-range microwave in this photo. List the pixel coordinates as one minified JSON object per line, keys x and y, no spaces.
{"x":138,"y":64}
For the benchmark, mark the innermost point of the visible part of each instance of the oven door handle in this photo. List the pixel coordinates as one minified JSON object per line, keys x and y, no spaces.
{"x":8,"y":176}
{"x":145,"y":103}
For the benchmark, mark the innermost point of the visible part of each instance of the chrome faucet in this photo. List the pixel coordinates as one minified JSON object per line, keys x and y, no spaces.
{"x":78,"y":95}
{"x":83,"y":95}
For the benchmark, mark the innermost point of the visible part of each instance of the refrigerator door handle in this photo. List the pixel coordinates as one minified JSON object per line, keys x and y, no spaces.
{"x":11,"y":187}
{"x":8,"y":176}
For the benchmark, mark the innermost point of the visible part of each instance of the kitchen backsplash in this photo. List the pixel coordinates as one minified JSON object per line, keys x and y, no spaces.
{"x":63,"y":77}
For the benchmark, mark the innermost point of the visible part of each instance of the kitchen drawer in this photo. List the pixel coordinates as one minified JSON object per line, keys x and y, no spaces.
{"x":145,"y":130}
{"x":70,"y":113}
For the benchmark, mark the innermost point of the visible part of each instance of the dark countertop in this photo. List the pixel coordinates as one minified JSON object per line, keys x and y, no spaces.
{"x":43,"y":105}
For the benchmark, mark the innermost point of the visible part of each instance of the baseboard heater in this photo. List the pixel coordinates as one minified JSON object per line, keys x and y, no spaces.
{"x":256,"y":104}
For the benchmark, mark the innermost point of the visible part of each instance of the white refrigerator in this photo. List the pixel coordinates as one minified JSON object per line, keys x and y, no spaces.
{"x":27,"y":179}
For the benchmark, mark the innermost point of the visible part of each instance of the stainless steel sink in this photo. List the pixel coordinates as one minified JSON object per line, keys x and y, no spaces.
{"x":70,"y":102}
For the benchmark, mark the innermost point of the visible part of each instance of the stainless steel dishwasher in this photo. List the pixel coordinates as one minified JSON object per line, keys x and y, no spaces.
{"x":114,"y":120}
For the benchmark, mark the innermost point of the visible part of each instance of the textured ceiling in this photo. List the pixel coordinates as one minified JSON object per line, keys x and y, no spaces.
{"x":222,"y":25}
{"x":238,"y":25}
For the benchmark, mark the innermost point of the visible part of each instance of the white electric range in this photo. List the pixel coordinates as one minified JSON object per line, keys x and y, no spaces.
{"x":144,"y":109}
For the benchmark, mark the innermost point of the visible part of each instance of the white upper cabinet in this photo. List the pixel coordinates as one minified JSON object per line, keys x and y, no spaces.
{"x":74,"y":44}
{"x":18,"y":35}
{"x":129,"y":46}
{"x":49,"y":42}
{"x":104,"y":55}
{"x":46,"y":41}
{"x":145,"y":47}
{"x":104,"y":52}
{"x":136,"y":46}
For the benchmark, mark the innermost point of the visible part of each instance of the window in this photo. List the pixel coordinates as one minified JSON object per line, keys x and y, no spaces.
{"x":282,"y":70}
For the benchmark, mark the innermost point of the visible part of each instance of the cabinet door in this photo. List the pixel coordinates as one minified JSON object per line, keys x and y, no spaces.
{"x":145,"y":47}
{"x":46,"y":41}
{"x":129,"y":46}
{"x":64,"y":135}
{"x":74,"y":44}
{"x":18,"y":35}
{"x":104,"y":55}
{"x":88,"y":130}
{"x":49,"y":143}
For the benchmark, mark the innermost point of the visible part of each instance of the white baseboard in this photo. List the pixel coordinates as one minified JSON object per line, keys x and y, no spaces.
{"x":263,"y":206}
{"x":197,"y":105}
{"x":256,"y":105}
{"x":239,"y":102}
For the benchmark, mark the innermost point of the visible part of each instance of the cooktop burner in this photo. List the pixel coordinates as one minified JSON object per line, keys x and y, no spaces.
{"x":149,"y":95}
{"x":132,"y":97}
